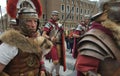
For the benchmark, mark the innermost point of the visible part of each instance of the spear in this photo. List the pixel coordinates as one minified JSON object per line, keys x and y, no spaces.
{"x":65,"y":19}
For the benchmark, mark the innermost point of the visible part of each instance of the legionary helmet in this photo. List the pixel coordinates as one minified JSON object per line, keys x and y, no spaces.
{"x":24,"y":9}
{"x":16,"y":7}
{"x":102,"y":8}
{"x":27,"y":13}
{"x":114,"y":11}
{"x":55,"y":13}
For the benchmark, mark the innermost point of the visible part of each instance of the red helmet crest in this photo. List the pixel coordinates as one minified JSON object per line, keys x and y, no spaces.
{"x":12,"y":7}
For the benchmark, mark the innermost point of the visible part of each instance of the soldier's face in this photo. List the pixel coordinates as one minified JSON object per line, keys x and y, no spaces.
{"x":31,"y":24}
{"x":55,"y":17}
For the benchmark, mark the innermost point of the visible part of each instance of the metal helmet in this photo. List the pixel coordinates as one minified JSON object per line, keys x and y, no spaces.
{"x":27,"y":13}
{"x":114,"y":11}
{"x":55,"y":13}
{"x":31,"y":10}
{"x":14,"y":7}
{"x":94,"y":17}
{"x":102,"y":7}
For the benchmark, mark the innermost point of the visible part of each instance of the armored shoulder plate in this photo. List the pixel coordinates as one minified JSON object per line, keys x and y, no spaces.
{"x":48,"y":25}
{"x":97,"y":44}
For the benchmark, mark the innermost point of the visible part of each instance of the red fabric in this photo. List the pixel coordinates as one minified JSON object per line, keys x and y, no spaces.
{"x":77,"y":32}
{"x":43,"y":67}
{"x":12,"y":8}
{"x":99,"y":26}
{"x":46,"y":29}
{"x":38,"y":7}
{"x":51,"y":27}
{"x":41,"y":62}
{"x":74,"y":52}
{"x":54,"y":53}
{"x":86,"y":63}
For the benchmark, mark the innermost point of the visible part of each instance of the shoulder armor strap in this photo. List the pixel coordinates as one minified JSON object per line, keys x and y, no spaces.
{"x":49,"y":24}
{"x":100,"y":43}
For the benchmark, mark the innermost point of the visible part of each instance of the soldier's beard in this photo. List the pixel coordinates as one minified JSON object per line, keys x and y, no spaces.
{"x":27,"y":31}
{"x":115,"y":29}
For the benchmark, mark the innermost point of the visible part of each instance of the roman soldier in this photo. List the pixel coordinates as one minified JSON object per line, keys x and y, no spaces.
{"x":99,"y":47}
{"x":78,"y":32}
{"x":22,"y":51}
{"x":54,"y":32}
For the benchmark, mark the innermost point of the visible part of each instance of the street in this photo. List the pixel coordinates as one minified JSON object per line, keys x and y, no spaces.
{"x":70,"y":66}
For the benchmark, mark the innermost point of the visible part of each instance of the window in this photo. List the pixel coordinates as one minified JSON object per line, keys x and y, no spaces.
{"x":68,"y":9}
{"x":77,"y":10}
{"x":85,"y":11}
{"x":81,"y":11}
{"x":72,"y":9}
{"x":62,"y":8}
{"x":72,"y":1}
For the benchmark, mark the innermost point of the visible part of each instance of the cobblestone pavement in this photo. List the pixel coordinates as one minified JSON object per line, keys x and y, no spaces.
{"x":70,"y":66}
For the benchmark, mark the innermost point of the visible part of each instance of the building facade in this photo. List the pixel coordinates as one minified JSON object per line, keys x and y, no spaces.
{"x":71,"y":11}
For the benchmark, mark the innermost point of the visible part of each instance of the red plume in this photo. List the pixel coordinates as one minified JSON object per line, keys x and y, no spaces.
{"x":12,"y":7}
{"x":38,"y":7}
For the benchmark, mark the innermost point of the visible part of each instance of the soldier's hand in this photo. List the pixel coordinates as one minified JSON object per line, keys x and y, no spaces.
{"x":53,"y":39}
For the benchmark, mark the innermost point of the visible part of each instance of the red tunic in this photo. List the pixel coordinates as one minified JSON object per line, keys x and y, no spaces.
{"x":74,"y":52}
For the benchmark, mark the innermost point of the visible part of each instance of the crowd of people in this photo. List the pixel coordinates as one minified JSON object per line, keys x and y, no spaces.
{"x":73,"y":35}
{"x":94,"y":45}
